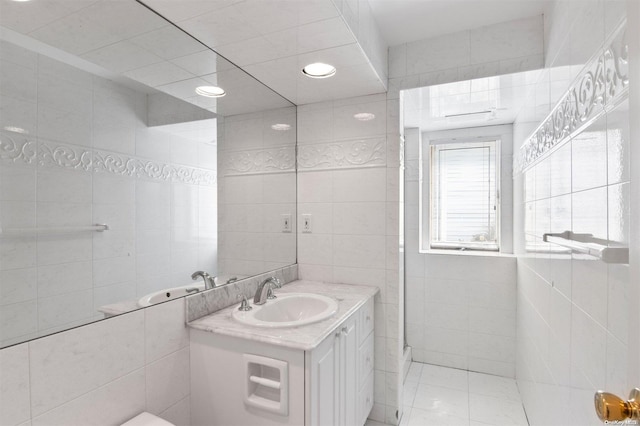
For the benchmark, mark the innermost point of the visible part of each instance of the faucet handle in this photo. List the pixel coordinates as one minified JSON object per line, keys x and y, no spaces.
{"x":209,"y":281}
{"x":244,"y":305}
{"x":212,"y":280}
{"x":273,"y":282}
{"x":270,"y":294}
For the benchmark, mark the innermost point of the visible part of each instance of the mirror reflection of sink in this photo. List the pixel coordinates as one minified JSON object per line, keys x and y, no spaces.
{"x":168,"y":294}
{"x":176,"y":292}
{"x":288,"y":310}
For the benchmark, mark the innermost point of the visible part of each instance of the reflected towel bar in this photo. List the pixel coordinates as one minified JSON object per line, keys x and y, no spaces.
{"x":587,"y":244}
{"x":99,"y":227}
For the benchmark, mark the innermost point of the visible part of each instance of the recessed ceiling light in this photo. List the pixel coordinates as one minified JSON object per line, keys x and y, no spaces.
{"x":364,"y":116}
{"x":319,"y":70}
{"x":210,"y":91}
{"x":20,"y":1}
{"x":13,"y":128}
{"x":281,"y":127}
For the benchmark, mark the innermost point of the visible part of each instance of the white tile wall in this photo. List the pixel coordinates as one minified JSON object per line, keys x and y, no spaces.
{"x":348,"y":181}
{"x":14,"y":388}
{"x":569,"y":342}
{"x":154,"y":239}
{"x":257,"y":182}
{"x":357,"y":14}
{"x":106,"y":372}
{"x":113,"y":403}
{"x":168,"y":381}
{"x":497,"y":49}
{"x":461,"y":312}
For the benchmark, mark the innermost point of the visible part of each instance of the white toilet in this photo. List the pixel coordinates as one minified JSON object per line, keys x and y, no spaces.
{"x":147,"y":419}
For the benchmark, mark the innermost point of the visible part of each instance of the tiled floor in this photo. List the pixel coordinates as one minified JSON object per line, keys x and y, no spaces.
{"x":439,"y":396}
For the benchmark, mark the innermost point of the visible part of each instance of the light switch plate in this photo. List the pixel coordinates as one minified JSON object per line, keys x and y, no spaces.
{"x":286,"y":222}
{"x":306,"y":224}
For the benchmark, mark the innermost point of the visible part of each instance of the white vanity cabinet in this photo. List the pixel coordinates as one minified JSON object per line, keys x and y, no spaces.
{"x":340,"y":373}
{"x":254,"y":380}
{"x":364,"y":402}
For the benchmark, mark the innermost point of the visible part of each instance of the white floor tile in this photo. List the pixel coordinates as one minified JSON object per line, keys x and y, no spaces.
{"x":444,"y":401}
{"x":409,"y":393}
{"x":432,"y":418}
{"x":415,"y":370}
{"x":499,"y":387}
{"x":446,"y":396}
{"x":406,"y":415}
{"x":446,"y":377}
{"x":496,"y":411}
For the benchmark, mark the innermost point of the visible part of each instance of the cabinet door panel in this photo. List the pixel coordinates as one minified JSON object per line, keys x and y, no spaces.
{"x":365,"y":400}
{"x":366,"y":361}
{"x":349,"y":371}
{"x":366,"y":320}
{"x":325,"y":383}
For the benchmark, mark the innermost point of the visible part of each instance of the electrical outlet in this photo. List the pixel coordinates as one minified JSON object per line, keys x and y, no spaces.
{"x":306,"y":223}
{"x":286,"y":222}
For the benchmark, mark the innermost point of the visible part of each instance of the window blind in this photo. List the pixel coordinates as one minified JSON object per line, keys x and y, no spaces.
{"x":464,"y":196}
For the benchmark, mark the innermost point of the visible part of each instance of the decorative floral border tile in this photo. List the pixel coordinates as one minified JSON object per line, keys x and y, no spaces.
{"x":274,"y":160}
{"x":343,"y":154}
{"x":52,"y":154}
{"x":603,"y":81}
{"x":20,"y":149}
{"x":17,"y":148}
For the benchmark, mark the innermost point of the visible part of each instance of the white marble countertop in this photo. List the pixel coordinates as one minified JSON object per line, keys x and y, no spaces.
{"x":307,"y":337}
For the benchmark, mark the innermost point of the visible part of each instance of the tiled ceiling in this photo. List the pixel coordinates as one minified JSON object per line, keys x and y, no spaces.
{"x":270,"y":39}
{"x":274,"y":39}
{"x":125,"y":38}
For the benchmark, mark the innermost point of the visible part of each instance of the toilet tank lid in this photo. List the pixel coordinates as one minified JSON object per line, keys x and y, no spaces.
{"x":147,"y":419}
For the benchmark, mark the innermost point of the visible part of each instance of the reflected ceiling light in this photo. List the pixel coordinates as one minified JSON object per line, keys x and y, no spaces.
{"x":13,"y":128}
{"x":364,"y":116}
{"x":281,"y":127}
{"x":319,"y":70}
{"x":210,"y":91}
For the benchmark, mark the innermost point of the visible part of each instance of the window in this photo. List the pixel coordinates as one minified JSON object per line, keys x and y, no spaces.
{"x":464,"y":195}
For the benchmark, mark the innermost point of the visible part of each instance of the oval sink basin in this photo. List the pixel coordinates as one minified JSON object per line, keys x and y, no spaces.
{"x":167,"y":294}
{"x":288,"y":310}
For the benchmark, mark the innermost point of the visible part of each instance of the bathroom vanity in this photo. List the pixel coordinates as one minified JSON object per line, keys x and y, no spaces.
{"x":316,"y":374}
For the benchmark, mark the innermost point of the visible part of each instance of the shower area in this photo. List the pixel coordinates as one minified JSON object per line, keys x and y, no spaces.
{"x":517,"y":225}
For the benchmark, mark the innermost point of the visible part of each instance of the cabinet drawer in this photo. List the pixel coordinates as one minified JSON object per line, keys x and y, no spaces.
{"x":365,"y":361}
{"x":365,"y":399}
{"x":366,"y":320}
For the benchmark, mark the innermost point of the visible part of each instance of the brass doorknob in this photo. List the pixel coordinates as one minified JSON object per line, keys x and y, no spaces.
{"x":610,"y":407}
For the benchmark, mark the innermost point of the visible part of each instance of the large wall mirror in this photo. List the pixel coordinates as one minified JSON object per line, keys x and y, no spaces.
{"x":109,"y":118}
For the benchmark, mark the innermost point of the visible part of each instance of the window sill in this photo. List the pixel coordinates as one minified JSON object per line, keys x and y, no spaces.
{"x":479,"y":253}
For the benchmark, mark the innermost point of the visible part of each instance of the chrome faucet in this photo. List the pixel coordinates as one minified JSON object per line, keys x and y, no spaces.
{"x":264,"y":289}
{"x":209,"y":281}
